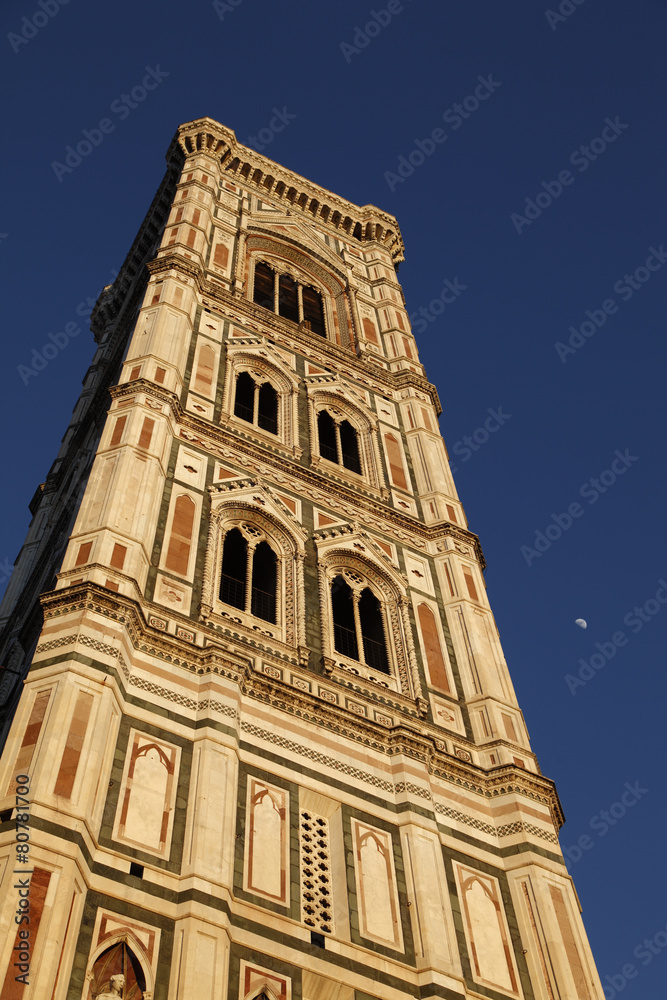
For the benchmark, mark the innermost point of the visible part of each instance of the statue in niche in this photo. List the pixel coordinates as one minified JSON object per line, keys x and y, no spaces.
{"x":117,"y":984}
{"x":117,"y":975}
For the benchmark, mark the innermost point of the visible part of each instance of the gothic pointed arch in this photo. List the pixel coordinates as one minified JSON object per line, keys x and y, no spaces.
{"x":300,"y":285}
{"x":120,"y":954}
{"x":253,"y":570}
{"x":260,"y":394}
{"x":365,"y":620}
{"x":263,"y":991}
{"x":343,"y":431}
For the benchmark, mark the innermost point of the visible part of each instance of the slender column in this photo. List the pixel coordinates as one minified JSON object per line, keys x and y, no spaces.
{"x":356,"y":597}
{"x":276,"y":292}
{"x":299,"y":604}
{"x":411,"y":655}
{"x":354,"y":312}
{"x":248,"y":579}
{"x":212,"y":564}
{"x":339,"y":449}
{"x":255,"y":405}
{"x":299,"y":293}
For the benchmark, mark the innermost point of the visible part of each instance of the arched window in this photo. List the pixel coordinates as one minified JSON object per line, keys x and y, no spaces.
{"x":349,"y":447}
{"x":326,"y":429}
{"x":234,"y":569}
{"x":342,"y":606}
{"x":372,"y":631}
{"x":267,"y":408}
{"x":288,"y":298}
{"x":313,"y":310}
{"x":263,"y":293}
{"x":264,"y":580}
{"x":358,"y":625}
{"x":338,"y":442}
{"x":296,"y":301}
{"x":244,"y":402}
{"x":249,"y":576}
{"x":257,"y":403}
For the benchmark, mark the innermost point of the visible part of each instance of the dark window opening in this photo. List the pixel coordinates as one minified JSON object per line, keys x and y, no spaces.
{"x":372,"y":631}
{"x":338,"y":444}
{"x":327,"y":434}
{"x":264,"y":580}
{"x":234,"y":564}
{"x":317,"y":939}
{"x":342,"y":604}
{"x":349,"y":447}
{"x":288,"y":299}
{"x":136,"y":869}
{"x":267,"y":403}
{"x":313,"y":310}
{"x":289,"y":290}
{"x":264,"y":281}
{"x":267,"y":413}
{"x":244,"y":401}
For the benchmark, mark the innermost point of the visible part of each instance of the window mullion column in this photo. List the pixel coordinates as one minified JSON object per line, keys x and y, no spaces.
{"x":339,"y":449}
{"x":299,"y":293}
{"x":276,"y":292}
{"x":255,"y":405}
{"x":248,"y":579}
{"x":356,"y":597}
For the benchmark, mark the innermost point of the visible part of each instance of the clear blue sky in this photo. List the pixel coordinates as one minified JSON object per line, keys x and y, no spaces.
{"x":551,"y":87}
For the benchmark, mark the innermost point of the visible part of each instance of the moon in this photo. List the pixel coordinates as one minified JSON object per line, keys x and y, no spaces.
{"x":581,"y":623}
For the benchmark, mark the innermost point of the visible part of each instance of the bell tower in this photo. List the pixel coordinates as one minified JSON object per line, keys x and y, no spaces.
{"x":267,"y":742}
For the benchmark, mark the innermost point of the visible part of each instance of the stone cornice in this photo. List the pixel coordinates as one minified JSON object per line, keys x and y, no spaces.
{"x":363,"y":224}
{"x":421,"y":744}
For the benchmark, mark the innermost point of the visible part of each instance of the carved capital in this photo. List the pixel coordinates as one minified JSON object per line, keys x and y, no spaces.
{"x":328,"y":665}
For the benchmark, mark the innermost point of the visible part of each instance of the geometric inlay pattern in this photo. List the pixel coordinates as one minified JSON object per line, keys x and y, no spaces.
{"x":316,"y":901}
{"x":315,"y":755}
{"x":502,"y":831}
